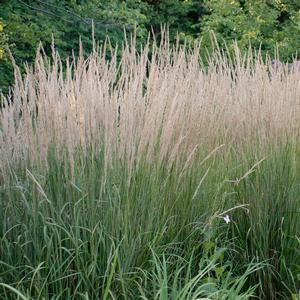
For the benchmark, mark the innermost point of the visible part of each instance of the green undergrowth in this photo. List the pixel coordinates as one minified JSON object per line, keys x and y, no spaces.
{"x":224,"y":226}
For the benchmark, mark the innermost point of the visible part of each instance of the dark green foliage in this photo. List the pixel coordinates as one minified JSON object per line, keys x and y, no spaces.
{"x":3,"y":39}
{"x":267,"y":24}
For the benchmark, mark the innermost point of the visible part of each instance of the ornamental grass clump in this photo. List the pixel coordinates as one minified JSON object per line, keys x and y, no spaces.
{"x":156,"y":175}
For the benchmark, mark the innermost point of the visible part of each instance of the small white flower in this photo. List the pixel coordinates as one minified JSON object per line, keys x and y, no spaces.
{"x":226,"y":219}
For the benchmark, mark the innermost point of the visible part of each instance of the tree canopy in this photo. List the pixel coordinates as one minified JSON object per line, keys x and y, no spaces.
{"x":266,"y":24}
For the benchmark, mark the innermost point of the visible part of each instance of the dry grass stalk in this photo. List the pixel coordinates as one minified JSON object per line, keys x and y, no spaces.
{"x":129,"y":108}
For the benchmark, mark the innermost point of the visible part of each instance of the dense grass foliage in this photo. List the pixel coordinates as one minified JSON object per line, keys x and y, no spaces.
{"x":150,"y":178}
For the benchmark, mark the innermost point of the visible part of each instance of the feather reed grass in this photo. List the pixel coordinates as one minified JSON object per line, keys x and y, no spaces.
{"x":117,"y":177}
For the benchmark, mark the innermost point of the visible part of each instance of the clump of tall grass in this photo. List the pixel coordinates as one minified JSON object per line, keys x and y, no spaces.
{"x":153,"y":177}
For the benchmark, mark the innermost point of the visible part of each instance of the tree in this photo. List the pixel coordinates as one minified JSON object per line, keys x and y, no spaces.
{"x":263,"y":23}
